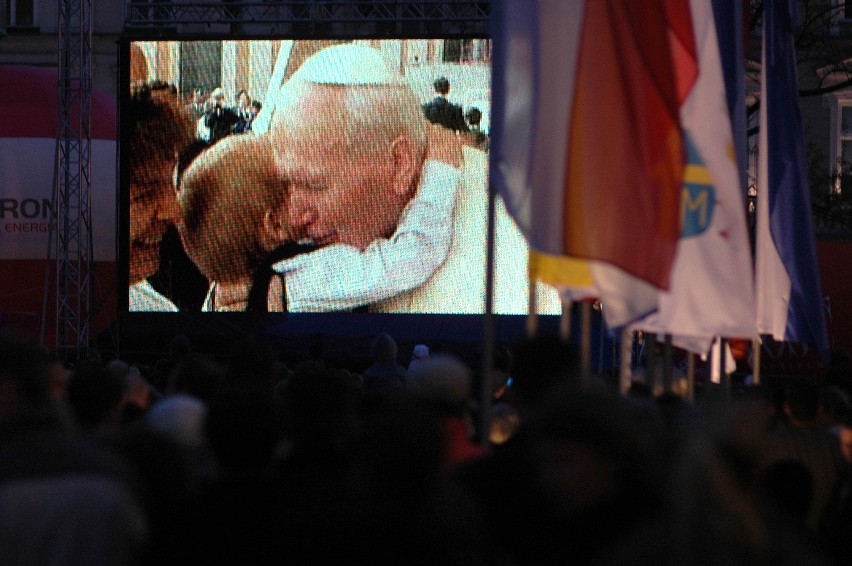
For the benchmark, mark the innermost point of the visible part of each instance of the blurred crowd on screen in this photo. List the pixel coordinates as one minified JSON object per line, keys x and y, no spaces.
{"x":216,"y":118}
{"x":289,"y":217}
{"x":240,"y":456}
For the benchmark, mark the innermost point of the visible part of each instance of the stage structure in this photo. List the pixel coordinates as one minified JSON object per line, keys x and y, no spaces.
{"x":72,"y":247}
{"x":352,"y":18}
{"x":71,"y":243}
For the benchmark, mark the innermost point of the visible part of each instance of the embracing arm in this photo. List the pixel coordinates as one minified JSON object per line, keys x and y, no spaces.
{"x":342,"y":277}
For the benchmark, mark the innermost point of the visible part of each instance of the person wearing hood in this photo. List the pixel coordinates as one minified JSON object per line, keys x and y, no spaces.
{"x":385,"y":375}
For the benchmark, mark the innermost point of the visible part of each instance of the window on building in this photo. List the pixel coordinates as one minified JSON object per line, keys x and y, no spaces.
{"x":844,"y":156}
{"x":466,"y":50}
{"x":841,"y":142}
{"x":452,"y":50}
{"x":21,"y":13}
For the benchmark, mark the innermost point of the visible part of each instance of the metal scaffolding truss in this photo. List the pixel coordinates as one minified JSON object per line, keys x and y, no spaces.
{"x":473,"y":16}
{"x":73,"y":235}
{"x":71,"y":241}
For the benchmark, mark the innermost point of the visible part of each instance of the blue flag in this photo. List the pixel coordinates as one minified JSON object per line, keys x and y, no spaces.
{"x":789,"y":296}
{"x":728,"y":16}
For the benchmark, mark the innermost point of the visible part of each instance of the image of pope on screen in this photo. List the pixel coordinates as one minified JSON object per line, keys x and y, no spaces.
{"x":347,"y":190}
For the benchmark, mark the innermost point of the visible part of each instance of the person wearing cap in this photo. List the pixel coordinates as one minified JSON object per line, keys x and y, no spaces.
{"x":401,"y":222}
{"x":419,"y":355}
{"x":370,"y":182}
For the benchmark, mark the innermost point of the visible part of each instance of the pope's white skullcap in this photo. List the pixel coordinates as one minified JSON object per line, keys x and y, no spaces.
{"x":348,"y":64}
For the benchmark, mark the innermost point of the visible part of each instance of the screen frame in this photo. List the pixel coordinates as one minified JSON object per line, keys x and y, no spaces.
{"x":123,"y":215}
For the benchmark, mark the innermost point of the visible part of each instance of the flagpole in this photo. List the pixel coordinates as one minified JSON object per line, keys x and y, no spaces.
{"x":723,"y":371}
{"x":667,"y":363}
{"x":489,"y":332}
{"x":532,"y":313}
{"x":624,"y":369}
{"x":601,"y":338}
{"x":565,"y":321}
{"x":756,"y":347}
{"x":585,"y":341}
{"x":690,"y":376}
{"x":650,"y":360}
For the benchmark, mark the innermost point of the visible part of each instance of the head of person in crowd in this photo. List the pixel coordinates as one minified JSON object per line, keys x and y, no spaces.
{"x":385,"y":375}
{"x":348,"y":133}
{"x":834,"y":407}
{"x":473,"y":116}
{"x":138,"y":394}
{"x":243,"y":99}
{"x":801,"y":401}
{"x":24,"y":376}
{"x":540,"y":364}
{"x":442,"y":86}
{"x":232,"y":208}
{"x":419,"y":355}
{"x":160,"y":127}
{"x":95,"y":395}
{"x":196,"y":374}
{"x":442,"y":381}
{"x":444,"y":384}
{"x":217,"y":97}
{"x":845,"y":436}
{"x":58,"y":378}
{"x":255,"y":107}
{"x":138,"y":65}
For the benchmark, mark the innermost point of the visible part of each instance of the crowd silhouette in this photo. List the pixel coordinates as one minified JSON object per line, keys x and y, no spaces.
{"x":242,"y":457}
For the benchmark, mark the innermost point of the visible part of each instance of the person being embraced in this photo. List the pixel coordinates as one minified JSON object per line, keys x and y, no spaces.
{"x":232,"y":208}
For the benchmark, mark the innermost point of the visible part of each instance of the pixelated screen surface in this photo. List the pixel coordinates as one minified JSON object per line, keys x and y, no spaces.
{"x":313,"y":176}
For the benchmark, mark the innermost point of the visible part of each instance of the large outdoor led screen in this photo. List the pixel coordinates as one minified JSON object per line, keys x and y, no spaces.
{"x":313,"y":176}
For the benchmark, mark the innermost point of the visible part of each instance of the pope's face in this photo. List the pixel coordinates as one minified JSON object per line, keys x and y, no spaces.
{"x":340,"y":178}
{"x":152,"y":208}
{"x":336,"y":194}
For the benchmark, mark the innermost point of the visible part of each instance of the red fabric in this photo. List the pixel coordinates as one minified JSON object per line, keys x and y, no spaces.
{"x":29,"y":108}
{"x":626,"y":154}
{"x":458,"y":447}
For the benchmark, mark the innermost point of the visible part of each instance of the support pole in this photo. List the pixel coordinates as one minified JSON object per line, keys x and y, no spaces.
{"x":489,"y":330}
{"x":532,"y":313}
{"x":565,"y":322}
{"x":756,"y":347}
{"x":601,"y":342}
{"x":73,"y":183}
{"x":586,"y":341}
{"x":668,"y":364}
{"x":651,"y":360}
{"x":690,"y":376}
{"x":625,"y":371}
